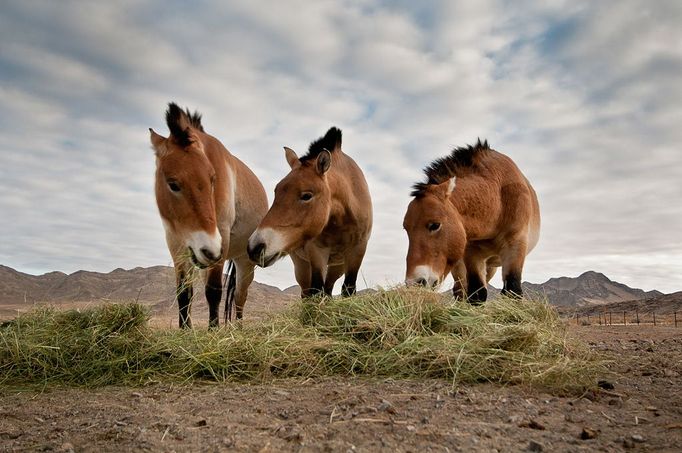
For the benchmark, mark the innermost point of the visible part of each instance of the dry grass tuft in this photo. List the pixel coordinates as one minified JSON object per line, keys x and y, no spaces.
{"x":405,"y":333}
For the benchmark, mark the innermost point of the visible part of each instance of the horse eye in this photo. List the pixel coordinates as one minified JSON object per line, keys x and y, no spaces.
{"x":173,"y":186}
{"x":306,"y":196}
{"x":433,"y":226}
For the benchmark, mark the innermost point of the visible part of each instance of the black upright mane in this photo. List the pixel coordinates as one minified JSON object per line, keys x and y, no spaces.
{"x":331,"y":141}
{"x":446,"y":167}
{"x":174,"y":115}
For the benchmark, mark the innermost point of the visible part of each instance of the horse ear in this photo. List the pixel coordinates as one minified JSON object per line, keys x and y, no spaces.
{"x":157,"y":140}
{"x":447,"y":187}
{"x":452,"y":182}
{"x":292,"y":158}
{"x":324,"y":161}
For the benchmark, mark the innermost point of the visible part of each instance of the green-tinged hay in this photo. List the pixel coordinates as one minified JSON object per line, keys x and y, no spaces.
{"x":94,"y":346}
{"x":406,"y":333}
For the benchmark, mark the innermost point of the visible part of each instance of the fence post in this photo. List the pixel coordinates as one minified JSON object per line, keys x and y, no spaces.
{"x":610,"y":320}
{"x":625,"y":322}
{"x":637,"y":315}
{"x":654,"y":318}
{"x":588,"y":320}
{"x":577,"y":319}
{"x":599,"y":314}
{"x":675,"y":315}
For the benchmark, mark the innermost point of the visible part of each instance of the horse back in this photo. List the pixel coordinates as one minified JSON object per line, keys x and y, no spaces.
{"x":496,"y":200}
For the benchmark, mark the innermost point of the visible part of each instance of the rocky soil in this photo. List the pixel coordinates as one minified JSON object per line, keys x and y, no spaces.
{"x":639,"y":409}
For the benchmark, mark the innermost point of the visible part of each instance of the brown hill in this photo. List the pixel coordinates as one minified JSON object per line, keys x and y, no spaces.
{"x":153,"y":286}
{"x":589,"y":288}
{"x":664,"y":304}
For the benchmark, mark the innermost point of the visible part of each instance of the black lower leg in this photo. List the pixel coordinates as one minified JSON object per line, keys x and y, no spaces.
{"x":476,"y":290}
{"x":185,"y":293}
{"x":214,"y":292}
{"x":512,"y":285}
{"x":348,"y":288}
{"x":316,"y":285}
{"x":458,"y":291}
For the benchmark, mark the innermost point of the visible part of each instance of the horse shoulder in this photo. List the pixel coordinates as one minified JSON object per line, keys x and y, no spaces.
{"x":477,"y":200}
{"x":357,"y":199}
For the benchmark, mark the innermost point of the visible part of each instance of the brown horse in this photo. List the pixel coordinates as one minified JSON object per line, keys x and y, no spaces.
{"x":475,"y":213}
{"x":321,"y":217}
{"x":210,"y":203}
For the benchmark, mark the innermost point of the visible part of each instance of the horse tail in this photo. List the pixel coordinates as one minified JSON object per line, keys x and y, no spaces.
{"x":230,"y":284}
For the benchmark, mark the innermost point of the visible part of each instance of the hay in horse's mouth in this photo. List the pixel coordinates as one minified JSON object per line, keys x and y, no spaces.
{"x":195,"y":261}
{"x":263,"y":262}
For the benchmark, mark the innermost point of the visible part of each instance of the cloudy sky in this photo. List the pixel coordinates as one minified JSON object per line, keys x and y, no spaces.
{"x":585,"y":97}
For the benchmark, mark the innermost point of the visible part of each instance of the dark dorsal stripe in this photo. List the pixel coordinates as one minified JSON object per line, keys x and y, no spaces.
{"x":174,"y":117}
{"x":331,"y":141}
{"x":446,"y":167}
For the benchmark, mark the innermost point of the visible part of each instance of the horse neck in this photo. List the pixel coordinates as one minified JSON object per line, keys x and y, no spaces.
{"x":340,"y":183}
{"x":474,"y":217}
{"x":220,"y":158}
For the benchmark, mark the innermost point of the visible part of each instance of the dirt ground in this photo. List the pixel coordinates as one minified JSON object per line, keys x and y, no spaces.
{"x":642,"y":412}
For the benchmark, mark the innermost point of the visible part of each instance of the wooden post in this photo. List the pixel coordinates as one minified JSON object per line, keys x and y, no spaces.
{"x":675,"y":315}
{"x":577,"y":319}
{"x":588,"y":320}
{"x":599,"y":314}
{"x":625,"y":322}
{"x":610,"y":320}
{"x":654,"y":318}
{"x":637,"y":315}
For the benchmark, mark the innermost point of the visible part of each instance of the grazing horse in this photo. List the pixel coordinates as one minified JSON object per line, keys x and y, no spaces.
{"x":475,"y":212}
{"x":210,"y":203}
{"x":321,"y":217}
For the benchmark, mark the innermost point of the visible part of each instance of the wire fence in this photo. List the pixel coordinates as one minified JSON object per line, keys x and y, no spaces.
{"x":628,"y":318}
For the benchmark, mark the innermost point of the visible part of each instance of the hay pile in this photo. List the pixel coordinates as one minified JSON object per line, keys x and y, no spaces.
{"x":405,"y":333}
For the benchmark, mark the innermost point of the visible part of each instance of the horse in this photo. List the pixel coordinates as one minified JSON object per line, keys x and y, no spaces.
{"x":210,"y":202}
{"x":475,"y":212}
{"x":321,"y":217}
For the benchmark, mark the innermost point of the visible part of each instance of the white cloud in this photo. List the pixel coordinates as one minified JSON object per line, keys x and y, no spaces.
{"x":584,"y":97}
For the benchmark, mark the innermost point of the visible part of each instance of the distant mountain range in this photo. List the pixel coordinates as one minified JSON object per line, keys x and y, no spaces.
{"x":588,"y":288}
{"x":155,"y":286}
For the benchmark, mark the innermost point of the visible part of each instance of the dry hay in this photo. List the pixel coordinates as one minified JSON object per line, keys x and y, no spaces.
{"x":402,"y":333}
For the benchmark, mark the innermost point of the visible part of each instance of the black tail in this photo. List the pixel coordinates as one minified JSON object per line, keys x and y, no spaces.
{"x":230,"y":284}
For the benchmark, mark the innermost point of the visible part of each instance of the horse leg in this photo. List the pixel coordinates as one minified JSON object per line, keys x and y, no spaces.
{"x":245,"y":276}
{"x":490,"y":272}
{"x":353,"y":262}
{"x":477,"y":292}
{"x":334,"y":272}
{"x":184,"y":293}
{"x":459,"y":274}
{"x":318,"y":267}
{"x":513,"y":258}
{"x":302,"y":272}
{"x":214,"y":292}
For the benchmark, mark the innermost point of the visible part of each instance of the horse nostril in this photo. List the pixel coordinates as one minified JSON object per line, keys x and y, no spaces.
{"x":421,"y":282}
{"x":256,"y":252}
{"x":208,"y":254}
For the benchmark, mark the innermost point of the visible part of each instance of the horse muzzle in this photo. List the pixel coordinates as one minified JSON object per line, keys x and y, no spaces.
{"x":206,"y":257}
{"x":257,"y":254}
{"x":266,"y":246}
{"x":423,"y":276}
